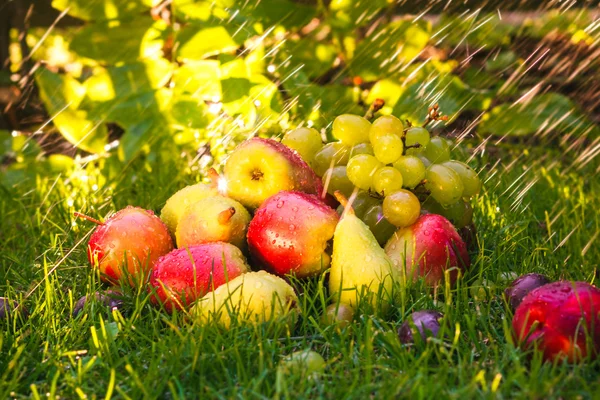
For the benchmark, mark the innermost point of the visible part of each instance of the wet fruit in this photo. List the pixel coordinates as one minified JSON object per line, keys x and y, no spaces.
{"x":185,"y":275}
{"x":424,"y":323}
{"x":290,"y":234}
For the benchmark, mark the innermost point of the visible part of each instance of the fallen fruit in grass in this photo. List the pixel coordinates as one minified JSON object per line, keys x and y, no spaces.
{"x":522,"y":286}
{"x":187,"y":274}
{"x":11,"y":307}
{"x":260,"y":168}
{"x":425,"y":323}
{"x":304,"y":362}
{"x":254,"y":298}
{"x":339,"y":314}
{"x":213,"y":219}
{"x":178,"y":203}
{"x":562,"y":319}
{"x":290,"y":232}
{"x":359,"y":267}
{"x":112,"y":299}
{"x":130,"y":240}
{"x":429,"y":248}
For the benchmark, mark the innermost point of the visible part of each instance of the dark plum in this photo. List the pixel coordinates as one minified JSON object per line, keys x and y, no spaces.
{"x":426,"y":322}
{"x":113,"y":299}
{"x":520,"y":287}
{"x":8,"y":307}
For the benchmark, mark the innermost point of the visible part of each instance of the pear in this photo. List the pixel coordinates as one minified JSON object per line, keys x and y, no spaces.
{"x":177,"y":204}
{"x":359,"y":266}
{"x":213,"y":219}
{"x":253,"y":298}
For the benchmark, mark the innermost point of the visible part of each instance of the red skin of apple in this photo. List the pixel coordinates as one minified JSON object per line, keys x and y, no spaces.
{"x":134,"y":237}
{"x":289,"y":234}
{"x":185,"y":275}
{"x":432,"y":246}
{"x":563,"y":311}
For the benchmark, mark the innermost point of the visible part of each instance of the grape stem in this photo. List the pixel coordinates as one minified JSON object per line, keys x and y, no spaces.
{"x":434,"y":114}
{"x":422,"y":183}
{"x":376,"y":106}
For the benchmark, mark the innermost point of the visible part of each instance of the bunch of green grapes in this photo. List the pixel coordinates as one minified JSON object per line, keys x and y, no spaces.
{"x":400,"y":171}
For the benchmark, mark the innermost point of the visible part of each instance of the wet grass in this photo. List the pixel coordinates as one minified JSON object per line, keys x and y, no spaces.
{"x":536,"y":214}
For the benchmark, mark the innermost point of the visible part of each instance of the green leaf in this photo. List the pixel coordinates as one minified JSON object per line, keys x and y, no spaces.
{"x":200,"y":79}
{"x":189,"y":113}
{"x":117,"y":42}
{"x":349,"y":14}
{"x":140,"y":136}
{"x":104,"y":9}
{"x":452,"y":95}
{"x":195,"y":42}
{"x":119,"y":82}
{"x":201,"y":10}
{"x":82,"y":132}
{"x":62,"y":95}
{"x":388,"y":49}
{"x":286,"y":13}
{"x":315,"y":58}
{"x":550,"y":112}
{"x":58,"y":91}
{"x":474,"y":30}
{"x":500,"y":61}
{"x":234,"y":89}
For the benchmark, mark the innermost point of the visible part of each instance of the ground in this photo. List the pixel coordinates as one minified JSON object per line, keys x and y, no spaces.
{"x":537,"y":213}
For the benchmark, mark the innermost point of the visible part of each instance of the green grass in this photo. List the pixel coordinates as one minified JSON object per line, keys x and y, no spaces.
{"x":536,"y":214}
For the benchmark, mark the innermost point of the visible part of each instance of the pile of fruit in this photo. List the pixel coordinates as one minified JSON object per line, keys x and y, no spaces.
{"x":375,"y":209}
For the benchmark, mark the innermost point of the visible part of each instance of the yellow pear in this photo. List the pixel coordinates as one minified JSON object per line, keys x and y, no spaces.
{"x":178,"y":203}
{"x":254,"y":297}
{"x":359,"y":266}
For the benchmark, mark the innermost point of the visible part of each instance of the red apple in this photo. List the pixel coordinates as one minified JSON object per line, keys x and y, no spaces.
{"x":429,"y":247}
{"x":133,"y":237}
{"x":562,"y":318}
{"x":289,"y":234}
{"x":260,"y":168}
{"x":185,"y":275}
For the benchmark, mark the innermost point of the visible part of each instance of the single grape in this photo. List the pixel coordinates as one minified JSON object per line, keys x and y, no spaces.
{"x":306,"y":141}
{"x":412,"y":170}
{"x":362,"y":202}
{"x":387,"y":180}
{"x":361,"y":169}
{"x":336,"y":179}
{"x":401,"y":208}
{"x":351,"y":129}
{"x":362,"y":148}
{"x":444,"y":184}
{"x":388,"y":148}
{"x":469,"y":177}
{"x":417,"y":135}
{"x":385,"y":125}
{"x":424,"y":160}
{"x":459,"y":213}
{"x":330,"y":155}
{"x":437,"y":151}
{"x":382,"y":229}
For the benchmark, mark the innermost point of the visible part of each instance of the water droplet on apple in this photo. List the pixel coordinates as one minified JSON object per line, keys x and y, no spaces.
{"x":294,"y":209}
{"x":292,"y":227}
{"x":368,"y":258}
{"x":258,"y":285}
{"x":280,"y":204}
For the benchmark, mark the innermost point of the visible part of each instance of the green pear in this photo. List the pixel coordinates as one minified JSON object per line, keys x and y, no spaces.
{"x":359,"y":266}
{"x":213,"y":219}
{"x":254,"y":298}
{"x":177,"y":204}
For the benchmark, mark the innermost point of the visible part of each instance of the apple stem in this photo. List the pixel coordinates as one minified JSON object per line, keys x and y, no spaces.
{"x":225,"y":216}
{"x":214,"y":176}
{"x":344,"y":202}
{"x":87,"y":217}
